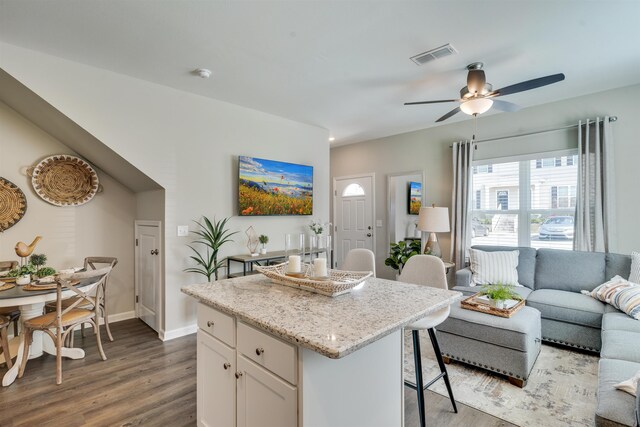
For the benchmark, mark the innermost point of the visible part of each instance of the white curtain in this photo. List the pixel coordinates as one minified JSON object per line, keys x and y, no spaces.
{"x":595,"y":223}
{"x":461,"y":201}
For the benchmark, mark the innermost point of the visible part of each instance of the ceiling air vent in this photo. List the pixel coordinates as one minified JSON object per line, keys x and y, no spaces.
{"x":433,"y":54}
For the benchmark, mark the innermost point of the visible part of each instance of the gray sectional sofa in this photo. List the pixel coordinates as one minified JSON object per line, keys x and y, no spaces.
{"x":551,"y":282}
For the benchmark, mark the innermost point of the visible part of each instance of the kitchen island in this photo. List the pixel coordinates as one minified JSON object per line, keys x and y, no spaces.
{"x":271,"y":355}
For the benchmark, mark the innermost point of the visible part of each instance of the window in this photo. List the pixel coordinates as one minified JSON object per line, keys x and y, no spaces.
{"x":529,"y":202}
{"x":353,"y":190}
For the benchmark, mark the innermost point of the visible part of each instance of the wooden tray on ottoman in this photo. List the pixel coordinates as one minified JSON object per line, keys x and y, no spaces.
{"x":473,"y":303}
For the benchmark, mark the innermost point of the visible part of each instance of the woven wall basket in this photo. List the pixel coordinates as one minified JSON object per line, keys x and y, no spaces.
{"x":64,"y":180}
{"x":13,"y":204}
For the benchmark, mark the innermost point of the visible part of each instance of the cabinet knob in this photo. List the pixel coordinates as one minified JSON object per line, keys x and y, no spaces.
{"x":259,"y":351}
{"x":238,"y":375}
{"x":210,"y":323}
{"x":226,"y":365}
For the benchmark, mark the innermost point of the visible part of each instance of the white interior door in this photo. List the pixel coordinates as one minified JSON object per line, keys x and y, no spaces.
{"x":353,"y":215}
{"x":148,"y":271}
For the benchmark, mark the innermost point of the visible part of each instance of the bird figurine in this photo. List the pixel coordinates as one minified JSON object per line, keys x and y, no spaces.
{"x":23,"y":250}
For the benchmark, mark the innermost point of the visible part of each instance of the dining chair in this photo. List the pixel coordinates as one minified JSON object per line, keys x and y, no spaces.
{"x":427,"y":270}
{"x":60,"y":323}
{"x":4,"y":341}
{"x":360,"y":259}
{"x":12,"y":312}
{"x":92,"y":263}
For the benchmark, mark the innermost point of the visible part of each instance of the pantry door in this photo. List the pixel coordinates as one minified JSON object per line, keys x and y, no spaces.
{"x":353,"y":202}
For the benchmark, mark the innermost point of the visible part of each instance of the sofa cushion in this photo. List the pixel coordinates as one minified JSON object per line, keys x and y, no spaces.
{"x":618,"y":321}
{"x":470,"y":290}
{"x":526,"y":261}
{"x":615,"y":406}
{"x":521,"y":332}
{"x":569,"y":270}
{"x":567,"y":307}
{"x":495,"y":267}
{"x":617,"y":265}
{"x":621,"y":345}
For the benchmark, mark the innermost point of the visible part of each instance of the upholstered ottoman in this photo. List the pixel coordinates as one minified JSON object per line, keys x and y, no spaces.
{"x":506,"y":346}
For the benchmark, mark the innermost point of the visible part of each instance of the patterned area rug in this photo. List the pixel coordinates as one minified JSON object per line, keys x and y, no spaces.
{"x":561,"y":390}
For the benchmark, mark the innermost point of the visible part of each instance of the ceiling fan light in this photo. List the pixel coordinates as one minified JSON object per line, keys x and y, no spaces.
{"x":476,"y":106}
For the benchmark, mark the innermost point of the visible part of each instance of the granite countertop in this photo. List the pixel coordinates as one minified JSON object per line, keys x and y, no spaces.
{"x":333,"y":327}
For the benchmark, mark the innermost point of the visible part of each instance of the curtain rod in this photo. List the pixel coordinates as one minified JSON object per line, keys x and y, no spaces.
{"x":611,"y":119}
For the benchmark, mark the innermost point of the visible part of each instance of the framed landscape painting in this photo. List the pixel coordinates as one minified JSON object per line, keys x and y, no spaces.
{"x":415,"y":197}
{"x":270,"y":187}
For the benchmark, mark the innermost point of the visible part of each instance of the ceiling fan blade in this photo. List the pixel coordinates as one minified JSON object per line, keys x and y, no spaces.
{"x":528,"y":85}
{"x":449,"y":114}
{"x":476,"y":81}
{"x":431,"y":102}
{"x":509,"y":107}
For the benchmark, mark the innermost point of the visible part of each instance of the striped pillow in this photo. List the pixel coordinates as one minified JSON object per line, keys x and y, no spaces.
{"x":490,"y":268}
{"x":607,"y":291}
{"x":635,"y":267}
{"x":628,"y":300}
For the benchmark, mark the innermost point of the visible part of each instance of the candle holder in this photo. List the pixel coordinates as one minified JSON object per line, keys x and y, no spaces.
{"x":294,"y":251}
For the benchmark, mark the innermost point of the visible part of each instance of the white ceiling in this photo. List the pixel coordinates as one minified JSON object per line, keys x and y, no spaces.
{"x":340,"y":65}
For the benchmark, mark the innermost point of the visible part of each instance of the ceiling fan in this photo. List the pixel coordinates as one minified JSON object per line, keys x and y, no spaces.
{"x":478,"y":96}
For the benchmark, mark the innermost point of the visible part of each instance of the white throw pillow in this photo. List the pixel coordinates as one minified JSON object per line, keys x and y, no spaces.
{"x":490,"y":268}
{"x":630,"y":385}
{"x":635,"y":268}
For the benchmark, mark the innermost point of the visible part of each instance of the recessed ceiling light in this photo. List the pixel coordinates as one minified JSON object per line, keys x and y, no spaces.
{"x":202,"y":72}
{"x":331,"y":139}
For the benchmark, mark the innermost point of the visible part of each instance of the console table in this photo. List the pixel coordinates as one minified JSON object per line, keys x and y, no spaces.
{"x":247,"y":260}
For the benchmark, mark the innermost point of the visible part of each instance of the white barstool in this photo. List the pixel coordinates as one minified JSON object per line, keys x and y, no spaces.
{"x":360,"y":259}
{"x":430,"y":271}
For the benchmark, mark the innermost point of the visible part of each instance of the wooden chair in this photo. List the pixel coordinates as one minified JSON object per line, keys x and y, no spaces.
{"x":90,"y":264}
{"x":13,"y":312}
{"x":59,"y":324}
{"x":4,"y":341}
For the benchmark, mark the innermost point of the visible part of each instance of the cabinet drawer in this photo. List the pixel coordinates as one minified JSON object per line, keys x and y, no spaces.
{"x":218,"y":324}
{"x":277,"y":356}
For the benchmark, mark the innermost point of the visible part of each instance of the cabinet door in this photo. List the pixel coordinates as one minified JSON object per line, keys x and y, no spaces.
{"x":264,"y":400}
{"x":216,"y":382}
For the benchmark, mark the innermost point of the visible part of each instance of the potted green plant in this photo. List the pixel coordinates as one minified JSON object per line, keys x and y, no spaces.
{"x":263,"y":239}
{"x":400,"y":252}
{"x":23,"y":274}
{"x":212,"y":235}
{"x":38,"y":260}
{"x":498,"y":294}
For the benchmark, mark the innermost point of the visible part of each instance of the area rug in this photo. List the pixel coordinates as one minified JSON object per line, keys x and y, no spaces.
{"x":561,"y":390}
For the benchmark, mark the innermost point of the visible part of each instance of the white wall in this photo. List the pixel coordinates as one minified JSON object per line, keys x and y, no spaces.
{"x":101,"y":227}
{"x":429,"y":149}
{"x":186,"y":143}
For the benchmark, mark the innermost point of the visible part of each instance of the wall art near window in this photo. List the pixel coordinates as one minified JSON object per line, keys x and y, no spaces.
{"x":65,"y":180}
{"x":415,"y":197}
{"x":269,"y":187}
{"x":13,"y":204}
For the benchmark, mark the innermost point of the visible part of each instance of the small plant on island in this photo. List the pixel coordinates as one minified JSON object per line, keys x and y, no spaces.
{"x":401,"y":252}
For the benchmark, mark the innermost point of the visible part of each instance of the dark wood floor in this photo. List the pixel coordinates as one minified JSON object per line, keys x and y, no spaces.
{"x":146,"y":382}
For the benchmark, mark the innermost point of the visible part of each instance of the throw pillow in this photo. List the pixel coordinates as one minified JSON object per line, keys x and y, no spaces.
{"x":608,"y":290}
{"x":628,"y":300}
{"x":635,"y":267}
{"x":630,"y":385}
{"x":490,"y":268}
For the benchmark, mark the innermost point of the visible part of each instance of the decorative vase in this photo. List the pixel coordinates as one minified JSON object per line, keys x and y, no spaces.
{"x":498,"y":303}
{"x":25,"y":279}
{"x":263,"y":250}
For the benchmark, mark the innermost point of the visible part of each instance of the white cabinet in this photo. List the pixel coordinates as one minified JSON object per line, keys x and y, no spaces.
{"x":216,"y":382}
{"x":251,"y":386}
{"x":264,"y":400}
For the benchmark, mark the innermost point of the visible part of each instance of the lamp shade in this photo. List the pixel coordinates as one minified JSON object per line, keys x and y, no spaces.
{"x":433,"y":219}
{"x":476,"y":106}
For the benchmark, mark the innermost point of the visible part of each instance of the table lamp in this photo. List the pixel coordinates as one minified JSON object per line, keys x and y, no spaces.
{"x":433,"y":220}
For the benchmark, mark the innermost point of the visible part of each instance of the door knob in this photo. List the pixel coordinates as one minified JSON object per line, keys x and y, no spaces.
{"x":154,"y":252}
{"x":369,"y":228}
{"x":368,"y":234}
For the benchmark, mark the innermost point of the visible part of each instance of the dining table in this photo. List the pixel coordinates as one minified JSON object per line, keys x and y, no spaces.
{"x":31,"y":304}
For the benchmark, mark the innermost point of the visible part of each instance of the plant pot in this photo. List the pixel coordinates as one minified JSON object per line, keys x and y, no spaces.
{"x":498,"y":303}
{"x":263,"y":251}
{"x":25,"y":279}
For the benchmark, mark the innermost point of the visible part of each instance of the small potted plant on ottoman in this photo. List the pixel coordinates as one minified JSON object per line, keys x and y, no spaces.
{"x":499,"y":294}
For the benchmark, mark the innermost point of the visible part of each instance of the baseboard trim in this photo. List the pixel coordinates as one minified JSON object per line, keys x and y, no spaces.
{"x":177,"y":333}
